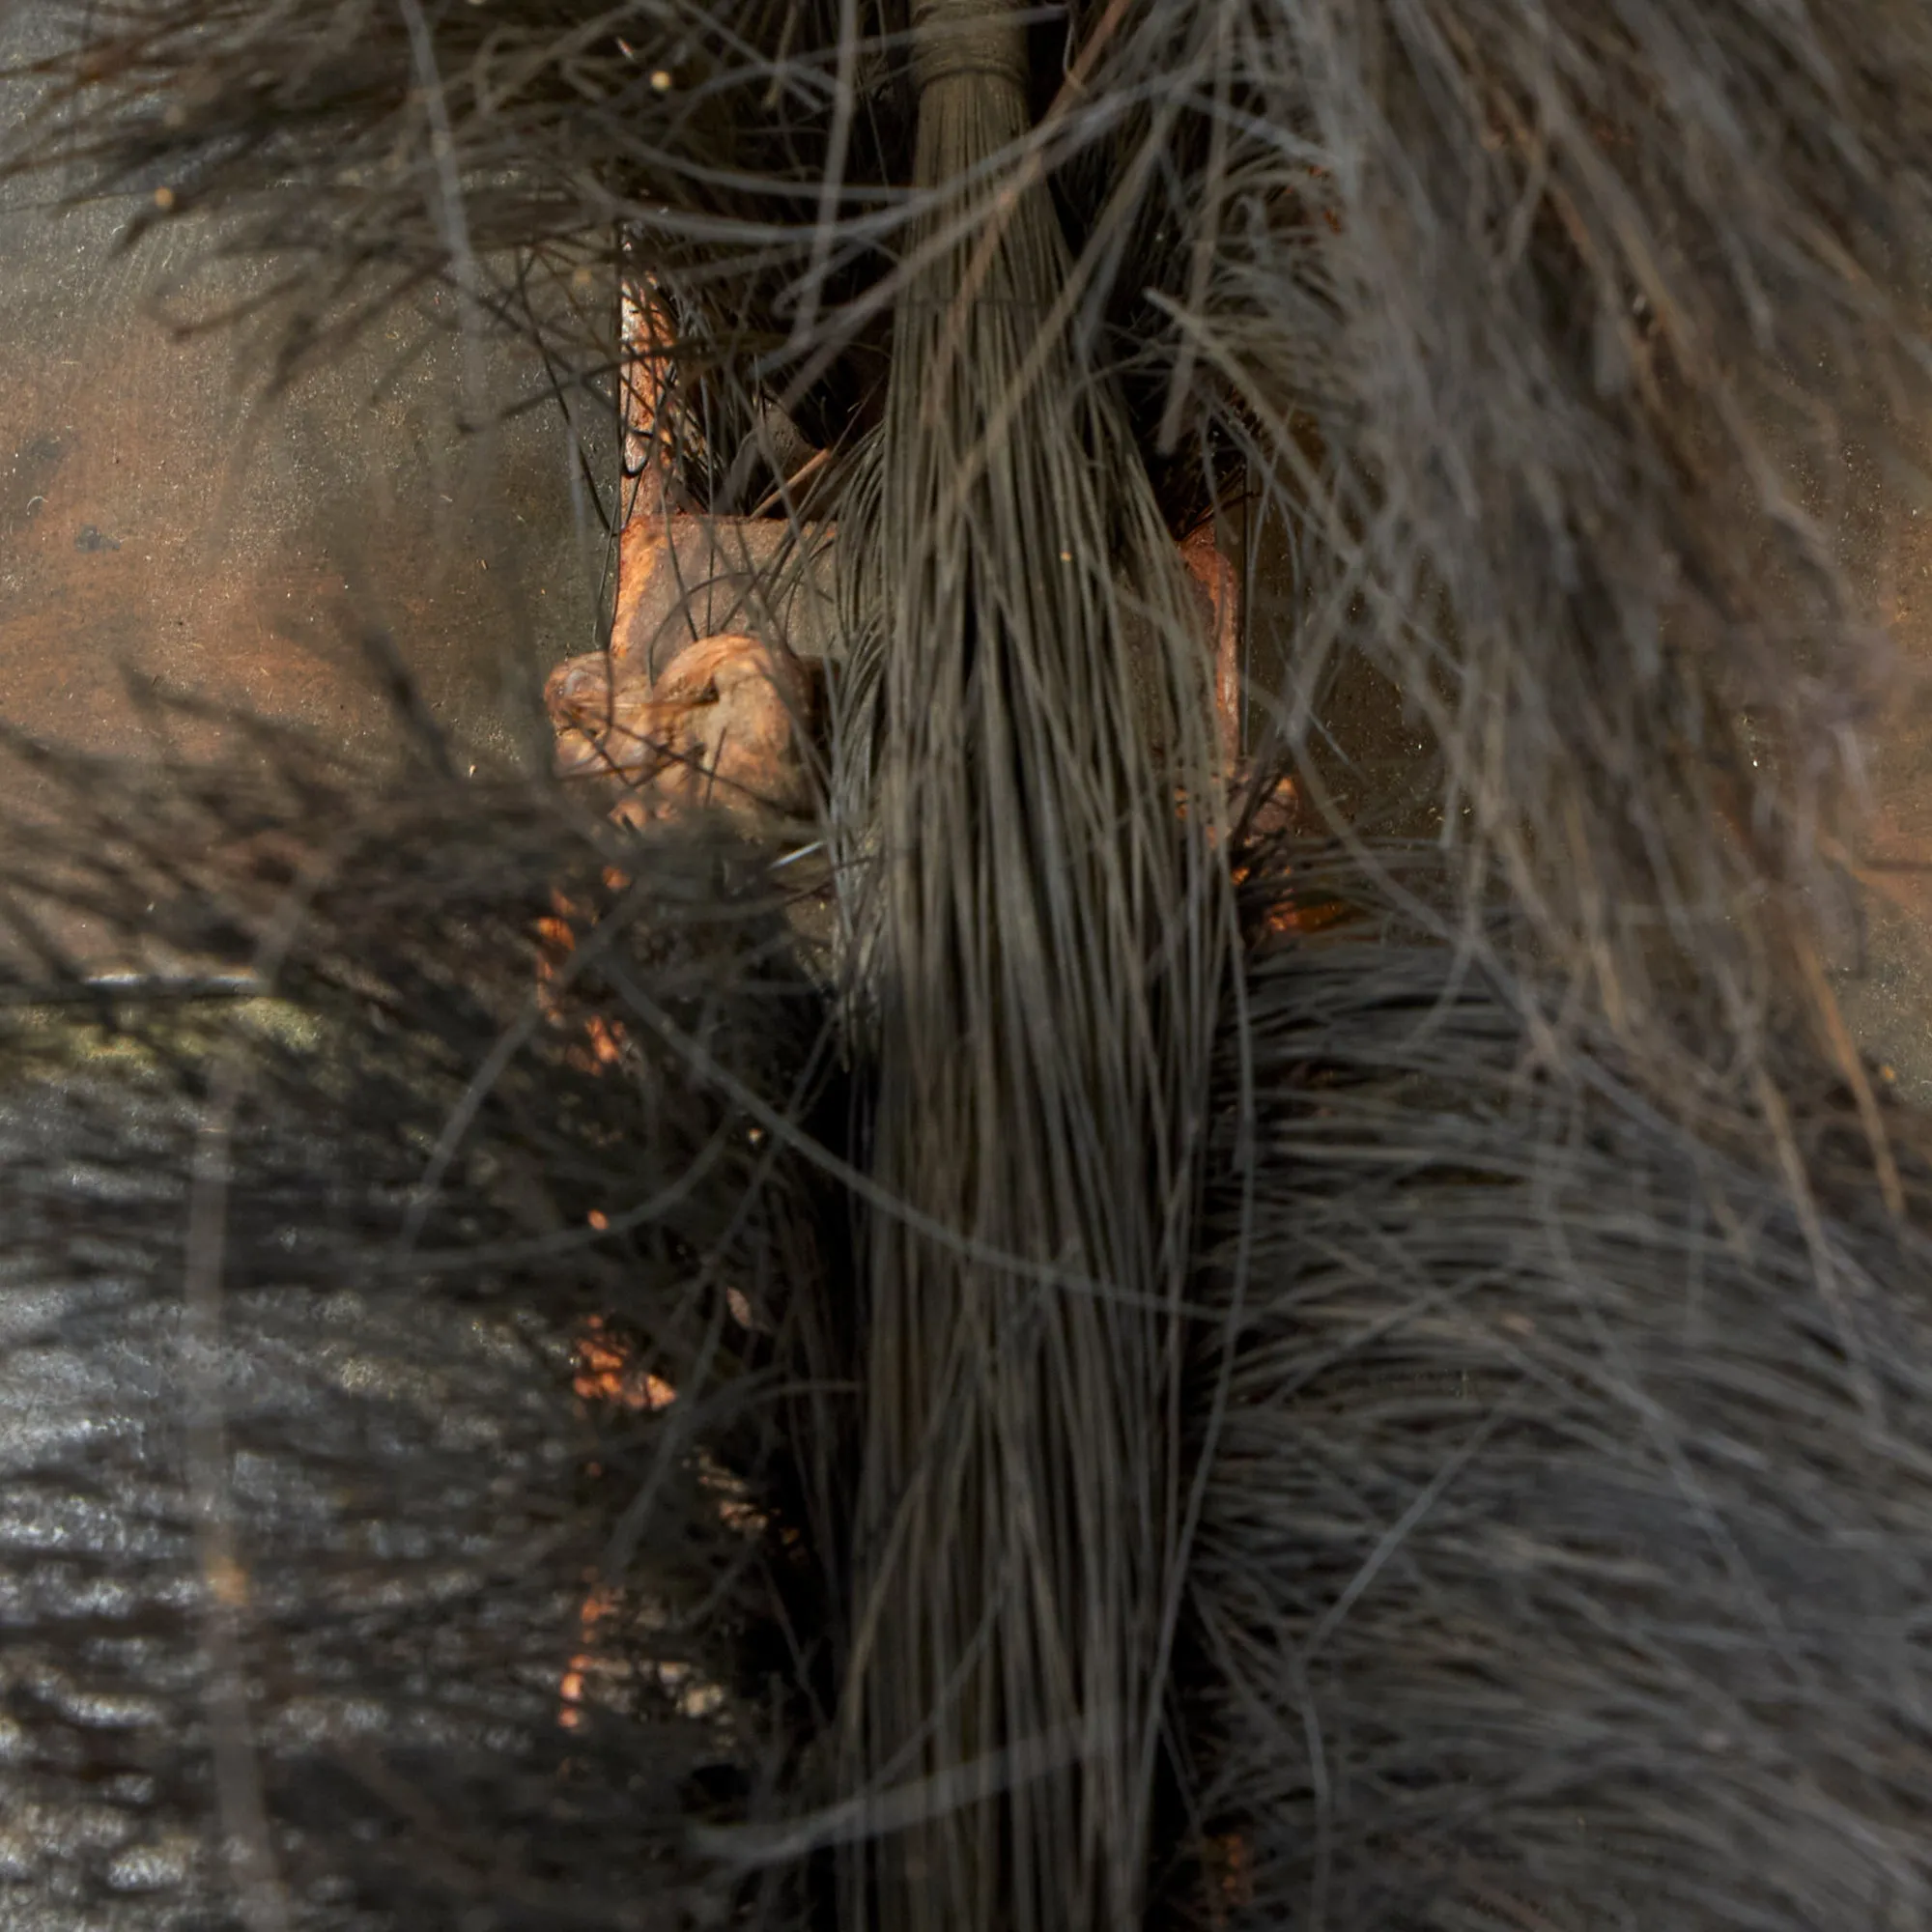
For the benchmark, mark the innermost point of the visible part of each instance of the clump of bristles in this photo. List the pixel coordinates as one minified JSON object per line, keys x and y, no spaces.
{"x":1388,"y":1396}
{"x":1567,"y":1497}
{"x":480,"y":1287}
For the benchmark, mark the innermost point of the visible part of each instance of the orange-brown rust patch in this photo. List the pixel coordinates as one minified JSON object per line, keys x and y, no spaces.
{"x":1229,"y":1859}
{"x":607,"y":1372}
{"x":604,"y":1040}
{"x":1220,"y":592}
{"x":722,"y":724}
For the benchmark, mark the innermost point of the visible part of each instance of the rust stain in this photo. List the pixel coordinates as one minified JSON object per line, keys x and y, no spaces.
{"x":721,"y":723}
{"x":606,"y":1371}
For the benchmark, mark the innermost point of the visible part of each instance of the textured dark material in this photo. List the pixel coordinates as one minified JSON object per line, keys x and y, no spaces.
{"x":1138,"y":1377}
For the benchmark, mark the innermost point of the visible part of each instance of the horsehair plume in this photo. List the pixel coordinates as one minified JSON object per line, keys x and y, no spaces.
{"x":1051,"y":931}
{"x":509,"y":1485}
{"x":1553,"y":1569}
{"x":1483,"y":297}
{"x":1544,"y":330}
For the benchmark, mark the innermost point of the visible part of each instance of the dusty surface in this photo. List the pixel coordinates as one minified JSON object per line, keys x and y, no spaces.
{"x":164,"y":527}
{"x":1887,"y":995}
{"x":1884,"y":982}
{"x":157,"y":524}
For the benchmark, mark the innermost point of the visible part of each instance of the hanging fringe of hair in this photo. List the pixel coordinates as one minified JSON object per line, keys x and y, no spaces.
{"x":1044,"y":967}
{"x":1390,"y":1402}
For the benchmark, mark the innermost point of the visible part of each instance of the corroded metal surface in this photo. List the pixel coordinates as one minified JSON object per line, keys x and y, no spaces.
{"x":684,"y":577}
{"x":160,"y":533}
{"x":724,"y":722}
